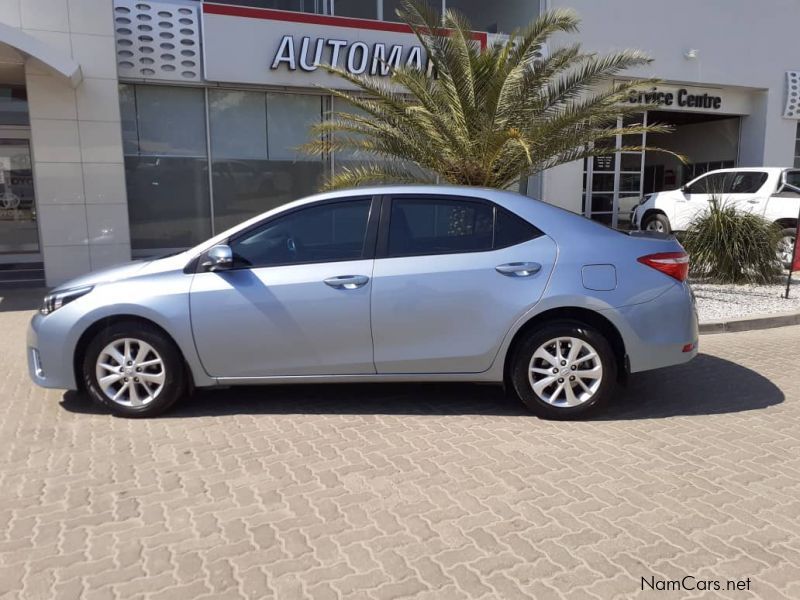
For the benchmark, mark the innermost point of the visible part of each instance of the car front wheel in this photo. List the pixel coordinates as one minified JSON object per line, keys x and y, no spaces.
{"x":657,"y":222}
{"x":564,"y":370}
{"x":133,"y":369}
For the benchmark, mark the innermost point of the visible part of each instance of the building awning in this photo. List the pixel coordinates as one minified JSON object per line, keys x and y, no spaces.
{"x":29,"y":46}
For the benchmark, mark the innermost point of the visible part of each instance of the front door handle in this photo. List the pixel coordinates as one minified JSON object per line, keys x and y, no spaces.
{"x":347,"y":282}
{"x":519,"y":269}
{"x":753,"y":201}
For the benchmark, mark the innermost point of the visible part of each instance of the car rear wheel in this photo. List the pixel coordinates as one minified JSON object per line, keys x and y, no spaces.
{"x":786,"y":246}
{"x":657,"y":222}
{"x":134,"y":370}
{"x":564,"y":370}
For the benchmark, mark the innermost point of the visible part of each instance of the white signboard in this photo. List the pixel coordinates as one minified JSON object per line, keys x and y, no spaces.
{"x":274,"y":47}
{"x":686,"y":98}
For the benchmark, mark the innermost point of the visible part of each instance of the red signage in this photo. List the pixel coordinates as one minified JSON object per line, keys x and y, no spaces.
{"x":796,"y":262}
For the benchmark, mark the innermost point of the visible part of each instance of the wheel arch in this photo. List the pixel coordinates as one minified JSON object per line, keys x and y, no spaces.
{"x":572,"y":313}
{"x":92,"y":330}
{"x":654,"y":211}
{"x":786,"y":223}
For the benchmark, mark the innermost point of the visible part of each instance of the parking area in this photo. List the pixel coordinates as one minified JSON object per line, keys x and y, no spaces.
{"x":425,"y":491}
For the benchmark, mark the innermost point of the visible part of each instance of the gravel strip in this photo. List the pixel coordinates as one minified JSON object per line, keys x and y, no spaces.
{"x":725,"y":302}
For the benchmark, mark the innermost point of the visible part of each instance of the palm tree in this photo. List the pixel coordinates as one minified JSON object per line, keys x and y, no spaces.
{"x":487,"y":116}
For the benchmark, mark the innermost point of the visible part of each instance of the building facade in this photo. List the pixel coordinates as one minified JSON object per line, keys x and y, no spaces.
{"x":132,"y":128}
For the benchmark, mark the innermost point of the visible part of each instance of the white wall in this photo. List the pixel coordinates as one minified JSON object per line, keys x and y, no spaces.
{"x":76,"y":144}
{"x":742,"y":43}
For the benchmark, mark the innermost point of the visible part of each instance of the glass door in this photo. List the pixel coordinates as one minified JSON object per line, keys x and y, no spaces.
{"x":612,"y":184}
{"x":19,"y":234}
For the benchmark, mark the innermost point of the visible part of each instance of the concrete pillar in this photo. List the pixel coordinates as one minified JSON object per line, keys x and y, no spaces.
{"x":76,"y":141}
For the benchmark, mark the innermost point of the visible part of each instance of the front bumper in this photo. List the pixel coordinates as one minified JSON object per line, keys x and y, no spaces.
{"x":49,"y":361}
{"x":636,"y":217}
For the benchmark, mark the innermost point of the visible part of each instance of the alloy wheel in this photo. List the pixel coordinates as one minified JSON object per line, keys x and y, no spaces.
{"x":130,"y":372}
{"x":786,"y":248}
{"x":565,"y":372}
{"x":655,"y":225}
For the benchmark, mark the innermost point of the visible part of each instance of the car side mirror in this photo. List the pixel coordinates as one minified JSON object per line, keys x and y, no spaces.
{"x":219,"y":258}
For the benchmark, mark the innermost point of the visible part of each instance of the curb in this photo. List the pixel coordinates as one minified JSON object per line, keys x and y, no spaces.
{"x":751,"y":323}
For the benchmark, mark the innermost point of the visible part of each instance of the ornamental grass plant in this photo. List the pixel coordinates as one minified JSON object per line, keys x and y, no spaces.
{"x":727,"y":245}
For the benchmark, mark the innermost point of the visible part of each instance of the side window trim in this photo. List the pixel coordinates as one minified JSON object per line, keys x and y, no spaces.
{"x":382,"y":247}
{"x":370,"y":237}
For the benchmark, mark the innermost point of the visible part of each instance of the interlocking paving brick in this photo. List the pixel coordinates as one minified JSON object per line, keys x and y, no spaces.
{"x":407,"y":491}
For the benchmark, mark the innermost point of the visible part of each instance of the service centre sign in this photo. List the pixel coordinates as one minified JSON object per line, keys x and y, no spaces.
{"x":688,"y":98}
{"x":274,"y":47}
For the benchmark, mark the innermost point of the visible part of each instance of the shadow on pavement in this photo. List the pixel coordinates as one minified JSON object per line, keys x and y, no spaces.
{"x":705,"y":386}
{"x":21,"y":299}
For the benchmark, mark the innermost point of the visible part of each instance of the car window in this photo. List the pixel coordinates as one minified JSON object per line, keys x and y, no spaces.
{"x":439,"y":226}
{"x":510,"y":230}
{"x":709,"y":184}
{"x":323,"y":233}
{"x":744,"y":182}
{"x":792,"y":178}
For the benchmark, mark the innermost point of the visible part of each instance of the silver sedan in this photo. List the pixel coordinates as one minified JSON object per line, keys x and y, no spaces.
{"x":417,"y":283}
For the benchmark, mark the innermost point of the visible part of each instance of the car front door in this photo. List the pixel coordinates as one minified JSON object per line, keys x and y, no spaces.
{"x":696,"y":196}
{"x":297,"y":299}
{"x":451,"y":277}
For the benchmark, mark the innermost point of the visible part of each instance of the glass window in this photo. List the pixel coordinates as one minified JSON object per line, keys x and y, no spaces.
{"x":166,"y":167}
{"x":310,"y":6}
{"x":13,"y":105}
{"x":168,"y":203}
{"x":710,"y":184}
{"x":793,"y":178}
{"x":238,"y":123}
{"x":171,"y":120}
{"x":362,"y":9}
{"x":744,"y":182}
{"x":439,"y":226}
{"x":324,"y":233}
{"x":510,"y":230}
{"x":256,"y":165}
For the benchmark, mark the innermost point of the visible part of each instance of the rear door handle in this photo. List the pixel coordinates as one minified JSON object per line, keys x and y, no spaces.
{"x":519,"y":269}
{"x":347,"y":282}
{"x":753,"y":201}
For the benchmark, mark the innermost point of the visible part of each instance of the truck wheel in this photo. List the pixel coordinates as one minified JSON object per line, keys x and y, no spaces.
{"x":786,"y":246}
{"x":657,"y":222}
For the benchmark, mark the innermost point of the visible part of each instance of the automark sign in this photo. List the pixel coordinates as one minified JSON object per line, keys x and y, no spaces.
{"x":274,"y":47}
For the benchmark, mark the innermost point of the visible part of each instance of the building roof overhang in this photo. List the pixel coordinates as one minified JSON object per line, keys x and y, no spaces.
{"x":30,"y":47}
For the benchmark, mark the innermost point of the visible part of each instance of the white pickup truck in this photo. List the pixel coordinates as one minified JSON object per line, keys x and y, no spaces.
{"x":771,"y":192}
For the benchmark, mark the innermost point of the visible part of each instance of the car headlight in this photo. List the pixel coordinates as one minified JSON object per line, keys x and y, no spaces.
{"x":56,"y":300}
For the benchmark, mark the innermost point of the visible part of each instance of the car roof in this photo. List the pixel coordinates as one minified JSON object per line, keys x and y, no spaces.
{"x":739,"y":169}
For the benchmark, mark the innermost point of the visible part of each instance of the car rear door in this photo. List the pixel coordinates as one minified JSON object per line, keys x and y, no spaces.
{"x":452,"y":275}
{"x":297,"y":300}
{"x":747,"y":190}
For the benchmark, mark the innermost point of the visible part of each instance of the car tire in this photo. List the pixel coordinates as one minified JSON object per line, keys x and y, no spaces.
{"x":657,"y":222}
{"x":568,"y":398}
{"x":133,"y":369}
{"x":786,"y":246}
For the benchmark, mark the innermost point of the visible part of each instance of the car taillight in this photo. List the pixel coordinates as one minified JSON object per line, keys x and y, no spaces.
{"x":674,"y":264}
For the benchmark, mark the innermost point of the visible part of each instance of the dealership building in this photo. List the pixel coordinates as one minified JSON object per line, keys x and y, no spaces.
{"x":132,"y":128}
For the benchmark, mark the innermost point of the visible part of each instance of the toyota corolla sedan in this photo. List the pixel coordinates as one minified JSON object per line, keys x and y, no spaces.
{"x":389,"y":284}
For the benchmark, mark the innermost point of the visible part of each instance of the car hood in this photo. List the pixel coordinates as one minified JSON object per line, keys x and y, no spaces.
{"x":126,"y":271}
{"x":109,"y":274}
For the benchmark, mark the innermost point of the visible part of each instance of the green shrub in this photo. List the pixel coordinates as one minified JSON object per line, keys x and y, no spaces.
{"x":730,"y":246}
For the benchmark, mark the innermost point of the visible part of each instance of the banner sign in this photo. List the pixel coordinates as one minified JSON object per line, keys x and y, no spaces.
{"x":275,"y":47}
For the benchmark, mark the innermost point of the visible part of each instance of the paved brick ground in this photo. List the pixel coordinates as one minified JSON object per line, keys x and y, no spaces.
{"x":408,"y":491}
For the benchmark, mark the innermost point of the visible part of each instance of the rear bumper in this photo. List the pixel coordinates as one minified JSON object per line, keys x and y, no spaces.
{"x":660,"y":331}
